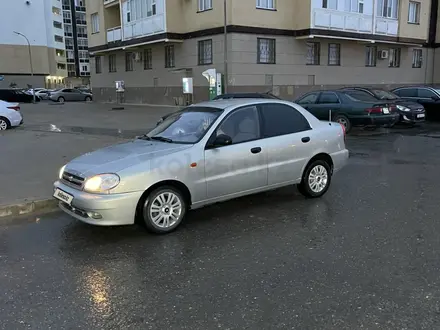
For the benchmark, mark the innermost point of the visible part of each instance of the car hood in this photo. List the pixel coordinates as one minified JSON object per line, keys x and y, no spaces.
{"x":409,"y":104}
{"x":120,"y":156}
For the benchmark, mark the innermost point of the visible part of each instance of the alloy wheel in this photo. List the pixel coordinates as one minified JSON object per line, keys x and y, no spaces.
{"x":166,"y":209}
{"x":318,"y":178}
{"x":3,"y":125}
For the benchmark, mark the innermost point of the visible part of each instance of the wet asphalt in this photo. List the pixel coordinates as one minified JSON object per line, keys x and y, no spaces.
{"x":365,"y":256}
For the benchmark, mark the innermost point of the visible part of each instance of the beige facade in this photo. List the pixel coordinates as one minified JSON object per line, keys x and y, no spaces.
{"x":290,"y":28}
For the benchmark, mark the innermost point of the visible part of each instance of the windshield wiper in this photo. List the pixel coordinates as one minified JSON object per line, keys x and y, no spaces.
{"x":161,"y":138}
{"x":143,"y":137}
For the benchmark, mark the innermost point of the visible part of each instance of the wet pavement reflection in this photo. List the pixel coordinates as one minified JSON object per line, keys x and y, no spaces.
{"x":363,"y":256}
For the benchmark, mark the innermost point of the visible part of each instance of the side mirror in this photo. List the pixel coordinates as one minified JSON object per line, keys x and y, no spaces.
{"x":222,"y":140}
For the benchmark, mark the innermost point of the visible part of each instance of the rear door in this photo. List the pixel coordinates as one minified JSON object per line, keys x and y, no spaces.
{"x":428,"y":98}
{"x":67,"y":94}
{"x":328,"y":104}
{"x":288,"y":139}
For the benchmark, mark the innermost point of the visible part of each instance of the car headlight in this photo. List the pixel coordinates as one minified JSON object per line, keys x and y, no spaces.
{"x":101,"y":183}
{"x":60,"y":174}
{"x":402,"y":108}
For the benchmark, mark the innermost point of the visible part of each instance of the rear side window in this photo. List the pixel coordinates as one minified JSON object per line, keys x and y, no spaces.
{"x":309,"y":99}
{"x":281,"y":119}
{"x":360,"y":96}
{"x":425,"y":93}
{"x":406,"y":92}
{"x":328,"y":97}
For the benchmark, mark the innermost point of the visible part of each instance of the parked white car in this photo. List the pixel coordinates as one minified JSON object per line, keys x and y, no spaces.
{"x":10,"y":115}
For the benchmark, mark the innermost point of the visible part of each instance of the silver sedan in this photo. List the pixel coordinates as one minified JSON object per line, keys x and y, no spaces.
{"x":206,"y":153}
{"x":69,"y":94}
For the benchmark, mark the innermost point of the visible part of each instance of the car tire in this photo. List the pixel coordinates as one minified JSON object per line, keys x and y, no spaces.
{"x":343,"y":120}
{"x":316,"y":179}
{"x":88,"y":99}
{"x":61,"y":99}
{"x":4,"y":124}
{"x":164,"y":210}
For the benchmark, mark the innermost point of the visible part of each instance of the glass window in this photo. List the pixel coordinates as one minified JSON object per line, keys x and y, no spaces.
{"x":112,"y":63}
{"x":417,"y":58}
{"x":205,"y":52}
{"x":128,"y":61}
{"x":360,"y":96}
{"x":281,"y":119}
{"x":414,"y":12}
{"x":384,"y":95}
{"x":330,"y":4}
{"x":334,"y":54}
{"x":370,"y":55}
{"x":148,"y":59}
{"x":309,"y":99}
{"x":57,"y":25}
{"x":98,"y":64}
{"x":266,"y":51}
{"x":242,"y":125}
{"x":58,"y":38}
{"x":266,"y":4}
{"x":186,"y":126}
{"x":406,"y":92}
{"x":394,"y":61}
{"x":169,"y":56}
{"x":313,"y":53}
{"x":205,"y":5}
{"x":328,"y":97}
{"x":387,"y":8}
{"x":95,"y":23}
{"x":425,"y":93}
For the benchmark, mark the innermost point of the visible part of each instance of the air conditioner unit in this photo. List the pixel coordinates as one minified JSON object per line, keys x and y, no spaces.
{"x":383,"y":54}
{"x":137,"y":56}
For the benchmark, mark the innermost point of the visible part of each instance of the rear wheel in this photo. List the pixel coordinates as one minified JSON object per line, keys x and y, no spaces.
{"x":344,"y":121}
{"x":164,"y":210}
{"x":4,"y":124}
{"x":88,"y":98}
{"x":61,"y":99}
{"x":316,"y":179}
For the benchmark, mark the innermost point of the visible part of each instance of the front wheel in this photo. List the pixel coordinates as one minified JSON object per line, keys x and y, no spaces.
{"x":61,"y":99}
{"x":344,"y":121}
{"x":88,"y":99}
{"x":316,"y":179}
{"x":164,"y":210}
{"x":4,"y":124}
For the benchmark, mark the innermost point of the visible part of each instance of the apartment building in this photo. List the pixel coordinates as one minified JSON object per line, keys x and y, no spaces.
{"x":286,"y":46}
{"x":41,"y":24}
{"x":77,"y":47}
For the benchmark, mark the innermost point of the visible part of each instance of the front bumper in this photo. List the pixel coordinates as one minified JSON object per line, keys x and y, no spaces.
{"x":412,"y":117}
{"x":100,"y":209}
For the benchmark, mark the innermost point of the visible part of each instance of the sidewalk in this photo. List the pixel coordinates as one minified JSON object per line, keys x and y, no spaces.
{"x":53,"y":135}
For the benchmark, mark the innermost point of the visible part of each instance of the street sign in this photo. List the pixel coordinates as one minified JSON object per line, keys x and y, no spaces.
{"x":2,"y":78}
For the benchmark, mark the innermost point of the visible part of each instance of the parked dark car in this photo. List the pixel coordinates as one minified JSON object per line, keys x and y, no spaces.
{"x":267,"y":95}
{"x":410,"y":111}
{"x":349,"y":108}
{"x":16,"y":95}
{"x":427,"y":96}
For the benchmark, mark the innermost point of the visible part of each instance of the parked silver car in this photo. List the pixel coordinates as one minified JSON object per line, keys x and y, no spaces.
{"x":69,"y":94}
{"x":207,"y":153}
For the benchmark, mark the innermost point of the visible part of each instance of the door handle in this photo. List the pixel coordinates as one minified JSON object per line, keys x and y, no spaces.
{"x":256,"y":150}
{"x":305,"y":139}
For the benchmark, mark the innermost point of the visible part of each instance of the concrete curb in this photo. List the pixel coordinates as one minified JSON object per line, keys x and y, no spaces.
{"x":36,"y":206}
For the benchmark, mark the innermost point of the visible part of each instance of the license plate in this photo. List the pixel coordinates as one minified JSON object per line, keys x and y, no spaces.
{"x":421,"y":115}
{"x":63,"y":196}
{"x":385,"y":110}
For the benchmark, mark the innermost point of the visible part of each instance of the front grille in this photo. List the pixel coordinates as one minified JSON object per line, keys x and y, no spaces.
{"x":73,"y":180}
{"x":75,"y":210}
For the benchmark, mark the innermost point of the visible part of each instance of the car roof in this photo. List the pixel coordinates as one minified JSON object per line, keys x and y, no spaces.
{"x":227,"y":103}
{"x":246,"y":95}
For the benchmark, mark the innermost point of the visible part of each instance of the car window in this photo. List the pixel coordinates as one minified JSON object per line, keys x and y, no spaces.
{"x":360,"y":96}
{"x":241,"y":126}
{"x":280,"y":119}
{"x":406,"y":92}
{"x":66,"y":90}
{"x":425,"y":93}
{"x":309,"y":99}
{"x":328,"y":97}
{"x":384,"y":95}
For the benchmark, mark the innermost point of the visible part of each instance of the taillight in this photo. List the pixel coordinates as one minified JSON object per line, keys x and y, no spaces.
{"x":343,"y":130}
{"x":374,"y":110}
{"x":16,"y":108}
{"x":393,"y":108}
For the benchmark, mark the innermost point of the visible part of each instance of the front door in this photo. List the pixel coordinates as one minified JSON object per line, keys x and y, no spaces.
{"x":242,"y":166}
{"x":428,"y":99}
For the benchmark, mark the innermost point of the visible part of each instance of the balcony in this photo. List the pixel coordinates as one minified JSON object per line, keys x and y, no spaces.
{"x":323,"y":18}
{"x":109,"y":3}
{"x":114,"y":34}
{"x":146,"y":26}
{"x":386,"y":26}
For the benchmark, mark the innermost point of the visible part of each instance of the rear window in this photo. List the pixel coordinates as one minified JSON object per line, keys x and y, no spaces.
{"x":360,"y":96}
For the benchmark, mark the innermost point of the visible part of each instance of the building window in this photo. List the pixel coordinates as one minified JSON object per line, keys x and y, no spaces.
{"x":59,"y":38}
{"x":95,"y":23}
{"x":266,"y":51}
{"x":112,"y":63}
{"x":57,"y":25}
{"x":61,"y":66}
{"x":83,"y":54}
{"x":169,"y":56}
{"x":67,"y":15}
{"x":56,"y":11}
{"x":356,"y":6}
{"x":417,"y":58}
{"x":139,"y":9}
{"x":370,"y":56}
{"x":414,"y":12}
{"x":128,"y":61}
{"x":205,"y":52}
{"x":148,"y":59}
{"x":394,"y":58}
{"x":387,"y":8}
{"x":330,"y":4}
{"x":313,"y":53}
{"x":205,"y":5}
{"x":98,"y":64}
{"x":334,"y":54}
{"x":266,"y":4}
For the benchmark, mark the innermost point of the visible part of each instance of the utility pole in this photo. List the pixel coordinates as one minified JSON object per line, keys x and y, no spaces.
{"x":225,"y":41}
{"x":30,"y":60}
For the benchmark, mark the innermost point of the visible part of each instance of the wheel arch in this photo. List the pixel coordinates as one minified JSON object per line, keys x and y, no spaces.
{"x":170,"y":183}
{"x":320,"y":156}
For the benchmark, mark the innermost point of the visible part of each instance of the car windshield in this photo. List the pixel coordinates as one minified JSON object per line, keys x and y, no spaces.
{"x":384,"y":95}
{"x":359,"y":96}
{"x":186,"y":126}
